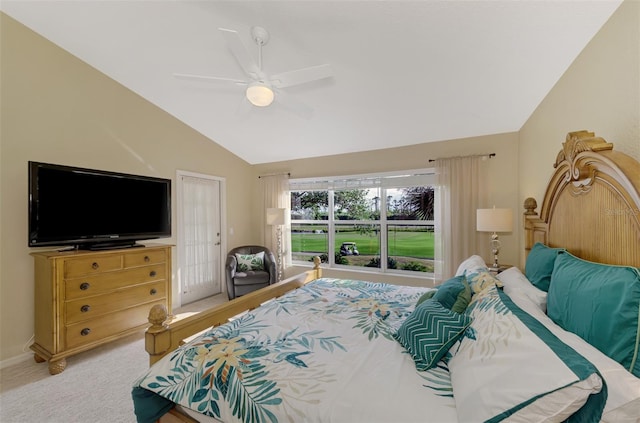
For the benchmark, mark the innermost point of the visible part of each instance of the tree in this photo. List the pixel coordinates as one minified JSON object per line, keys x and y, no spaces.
{"x":315,"y":202}
{"x":353,"y":203}
{"x":418,"y":202}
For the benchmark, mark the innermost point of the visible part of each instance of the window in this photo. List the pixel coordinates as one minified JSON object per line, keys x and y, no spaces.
{"x":381,"y":222}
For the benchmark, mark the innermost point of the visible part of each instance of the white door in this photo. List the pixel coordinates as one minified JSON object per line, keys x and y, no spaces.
{"x":199,"y":236}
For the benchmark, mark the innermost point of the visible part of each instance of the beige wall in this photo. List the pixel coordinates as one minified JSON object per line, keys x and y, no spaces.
{"x":57,"y":109}
{"x":600,"y":92}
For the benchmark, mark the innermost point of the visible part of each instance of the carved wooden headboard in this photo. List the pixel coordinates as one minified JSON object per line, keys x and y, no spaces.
{"x":592,"y":203}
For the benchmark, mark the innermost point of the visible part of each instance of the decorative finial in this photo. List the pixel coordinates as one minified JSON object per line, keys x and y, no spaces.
{"x":157,"y":315}
{"x":530,"y":205}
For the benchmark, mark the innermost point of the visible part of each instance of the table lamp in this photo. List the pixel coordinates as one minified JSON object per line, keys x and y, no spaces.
{"x":494,"y":220}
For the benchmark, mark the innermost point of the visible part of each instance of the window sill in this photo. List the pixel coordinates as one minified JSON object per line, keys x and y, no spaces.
{"x":396,"y":278}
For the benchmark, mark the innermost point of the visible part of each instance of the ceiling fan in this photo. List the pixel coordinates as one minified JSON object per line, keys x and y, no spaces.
{"x":261,"y":87}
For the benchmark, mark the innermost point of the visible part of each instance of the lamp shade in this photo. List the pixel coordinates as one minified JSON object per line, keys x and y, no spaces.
{"x":276,"y":216}
{"x":260,"y":94}
{"x":494,"y":220}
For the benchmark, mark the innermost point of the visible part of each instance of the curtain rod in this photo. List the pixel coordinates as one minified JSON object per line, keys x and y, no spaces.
{"x":490,"y":155}
{"x":274,"y":174}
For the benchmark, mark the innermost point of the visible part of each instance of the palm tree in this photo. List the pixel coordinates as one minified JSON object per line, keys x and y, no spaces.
{"x":418,"y":202}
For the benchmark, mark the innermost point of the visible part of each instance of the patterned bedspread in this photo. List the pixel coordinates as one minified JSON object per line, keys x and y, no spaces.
{"x":324,"y":352}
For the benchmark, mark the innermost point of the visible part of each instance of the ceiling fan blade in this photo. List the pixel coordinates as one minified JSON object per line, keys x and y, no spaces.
{"x":301,"y":76}
{"x":209,"y":78}
{"x":240,"y":52}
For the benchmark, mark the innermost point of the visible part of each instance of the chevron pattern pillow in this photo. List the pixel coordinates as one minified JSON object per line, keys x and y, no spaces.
{"x":429,"y":332}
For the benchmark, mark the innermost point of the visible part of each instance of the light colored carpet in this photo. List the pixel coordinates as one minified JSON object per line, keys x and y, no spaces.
{"x":95,"y":387}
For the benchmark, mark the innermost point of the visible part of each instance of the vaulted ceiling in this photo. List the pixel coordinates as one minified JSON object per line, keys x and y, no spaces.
{"x":404,"y":72}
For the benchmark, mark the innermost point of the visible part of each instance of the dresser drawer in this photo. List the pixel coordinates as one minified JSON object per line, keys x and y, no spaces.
{"x":99,"y":284}
{"x":90,"y":307}
{"x":144,"y":258}
{"x":108,"y":325}
{"x":92,"y":265}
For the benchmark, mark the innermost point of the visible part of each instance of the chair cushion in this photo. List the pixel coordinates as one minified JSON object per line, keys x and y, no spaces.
{"x":251,"y":277}
{"x":250,"y":261}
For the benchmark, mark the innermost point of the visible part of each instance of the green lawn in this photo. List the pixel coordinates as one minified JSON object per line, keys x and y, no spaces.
{"x":401,"y":243}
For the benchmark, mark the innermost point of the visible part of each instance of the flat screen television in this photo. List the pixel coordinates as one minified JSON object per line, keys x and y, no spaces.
{"x":95,"y":209}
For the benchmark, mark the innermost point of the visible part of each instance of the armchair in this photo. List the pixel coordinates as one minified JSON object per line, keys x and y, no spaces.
{"x":242,"y":281}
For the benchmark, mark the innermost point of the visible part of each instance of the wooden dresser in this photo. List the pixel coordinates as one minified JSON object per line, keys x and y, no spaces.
{"x":86,"y":298}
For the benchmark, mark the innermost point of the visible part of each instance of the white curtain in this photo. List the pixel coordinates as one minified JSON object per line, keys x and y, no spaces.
{"x":275,"y":194}
{"x":460,"y":190}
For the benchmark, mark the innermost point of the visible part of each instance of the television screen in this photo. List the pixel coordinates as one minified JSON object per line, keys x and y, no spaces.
{"x":94,"y":209}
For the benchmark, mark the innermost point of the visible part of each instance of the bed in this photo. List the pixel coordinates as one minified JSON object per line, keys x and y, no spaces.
{"x":555,"y":341}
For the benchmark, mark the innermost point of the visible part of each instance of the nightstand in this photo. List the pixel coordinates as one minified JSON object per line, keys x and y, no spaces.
{"x":501,"y":268}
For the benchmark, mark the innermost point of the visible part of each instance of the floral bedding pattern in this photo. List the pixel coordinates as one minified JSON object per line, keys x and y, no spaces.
{"x":509,"y":355}
{"x":315,"y":354}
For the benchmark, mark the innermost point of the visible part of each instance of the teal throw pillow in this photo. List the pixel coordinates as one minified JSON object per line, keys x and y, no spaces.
{"x":426,"y":296}
{"x":539,"y":265}
{"x":247,"y":262}
{"x":430,"y":331}
{"x":454,"y":294}
{"x":601,"y":304}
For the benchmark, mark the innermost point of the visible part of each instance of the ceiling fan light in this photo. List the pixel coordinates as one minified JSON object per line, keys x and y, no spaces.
{"x":260,"y":94}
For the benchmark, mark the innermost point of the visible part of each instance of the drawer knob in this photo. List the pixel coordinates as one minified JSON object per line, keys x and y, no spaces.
{"x":95,"y":265}
{"x":85,"y":285}
{"x":152,"y":273}
{"x":147,"y":259}
{"x":85,"y":331}
{"x":153,"y":291}
{"x":85,"y":308}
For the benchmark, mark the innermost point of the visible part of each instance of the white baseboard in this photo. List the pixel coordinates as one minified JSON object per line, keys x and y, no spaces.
{"x":17,"y":359}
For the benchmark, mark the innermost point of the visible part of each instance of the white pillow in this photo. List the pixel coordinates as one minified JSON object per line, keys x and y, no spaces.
{"x":515,"y":281}
{"x":508,"y":367}
{"x":472,"y":265}
{"x":623,"y":388}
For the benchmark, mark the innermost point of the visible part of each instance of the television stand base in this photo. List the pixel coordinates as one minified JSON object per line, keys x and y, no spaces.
{"x":112,"y":246}
{"x":102,"y":246}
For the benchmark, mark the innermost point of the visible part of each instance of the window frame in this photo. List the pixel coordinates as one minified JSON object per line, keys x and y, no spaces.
{"x":382,"y":181}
